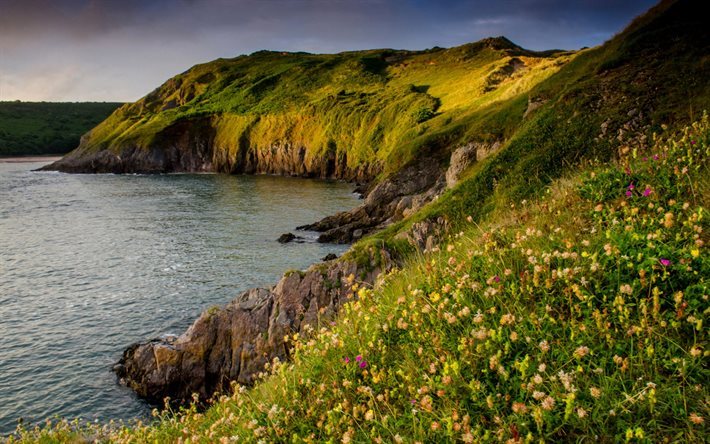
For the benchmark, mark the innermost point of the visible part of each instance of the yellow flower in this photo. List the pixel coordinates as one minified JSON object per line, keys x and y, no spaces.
{"x":695,"y":252}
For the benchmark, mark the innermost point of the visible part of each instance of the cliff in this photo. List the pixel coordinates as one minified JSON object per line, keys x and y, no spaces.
{"x":354,"y":116}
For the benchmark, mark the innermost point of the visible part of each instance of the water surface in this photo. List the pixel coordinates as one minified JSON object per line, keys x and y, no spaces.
{"x":91,"y":263}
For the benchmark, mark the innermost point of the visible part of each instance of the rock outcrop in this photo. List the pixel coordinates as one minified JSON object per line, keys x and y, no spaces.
{"x":465,"y":156}
{"x":233,"y":343}
{"x":389,"y":201}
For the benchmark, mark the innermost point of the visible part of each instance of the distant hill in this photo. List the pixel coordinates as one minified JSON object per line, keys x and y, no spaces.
{"x":47,"y":128}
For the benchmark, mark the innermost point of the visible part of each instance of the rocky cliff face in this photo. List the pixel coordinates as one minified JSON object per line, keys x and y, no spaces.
{"x":233,"y":343}
{"x":190,"y":146}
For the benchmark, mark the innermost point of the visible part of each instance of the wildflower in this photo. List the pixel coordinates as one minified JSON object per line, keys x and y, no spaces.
{"x":507,"y":319}
{"x":647,"y":192}
{"x":519,"y":407}
{"x":696,"y":419}
{"x":581,"y":352}
{"x":369,"y":415}
{"x":695,"y":352}
{"x":628,"y":193}
{"x":544,"y":346}
{"x":595,"y":392}
{"x":548,"y":403}
{"x":347,"y":360}
{"x":363,"y":364}
{"x":665,"y":262}
{"x":581,"y":412}
{"x":626,"y":289}
{"x":538,"y":395}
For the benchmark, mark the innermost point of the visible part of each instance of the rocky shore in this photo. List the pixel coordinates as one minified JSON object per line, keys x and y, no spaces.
{"x":234,"y":342}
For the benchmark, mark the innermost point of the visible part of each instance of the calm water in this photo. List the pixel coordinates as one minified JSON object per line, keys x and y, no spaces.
{"x":90,"y":264}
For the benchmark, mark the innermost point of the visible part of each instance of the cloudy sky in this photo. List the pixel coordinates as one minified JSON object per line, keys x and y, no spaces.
{"x":119,"y":50}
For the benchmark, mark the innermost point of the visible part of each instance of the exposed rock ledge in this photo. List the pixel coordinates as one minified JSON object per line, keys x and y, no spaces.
{"x":402,"y":194}
{"x":233,"y":343}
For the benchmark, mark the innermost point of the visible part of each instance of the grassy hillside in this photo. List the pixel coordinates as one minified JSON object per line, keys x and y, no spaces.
{"x":609,"y":98}
{"x":577,"y":316}
{"x":47,"y":128}
{"x":376,"y":107}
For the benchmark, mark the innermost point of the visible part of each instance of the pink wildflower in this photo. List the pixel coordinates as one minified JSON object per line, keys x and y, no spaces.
{"x":347,"y":360}
{"x":647,"y":192}
{"x":363,"y":364}
{"x":358,"y":358}
{"x":665,"y":262}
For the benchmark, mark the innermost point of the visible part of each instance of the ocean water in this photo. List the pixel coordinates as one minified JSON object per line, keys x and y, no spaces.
{"x":92,"y":263}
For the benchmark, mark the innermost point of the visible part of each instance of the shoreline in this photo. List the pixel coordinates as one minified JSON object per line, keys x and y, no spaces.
{"x":30,"y":158}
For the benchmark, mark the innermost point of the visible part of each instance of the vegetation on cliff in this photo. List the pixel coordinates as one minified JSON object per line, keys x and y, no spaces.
{"x":578,"y":315}
{"x":47,"y":128}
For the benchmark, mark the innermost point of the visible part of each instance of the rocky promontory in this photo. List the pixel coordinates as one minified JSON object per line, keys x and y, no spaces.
{"x":234,"y":342}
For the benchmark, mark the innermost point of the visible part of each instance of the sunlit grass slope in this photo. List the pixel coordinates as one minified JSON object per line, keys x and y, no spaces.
{"x":375,"y":107}
{"x":579,"y":315}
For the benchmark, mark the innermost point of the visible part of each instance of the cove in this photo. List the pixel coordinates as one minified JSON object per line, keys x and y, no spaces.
{"x":92,"y":263}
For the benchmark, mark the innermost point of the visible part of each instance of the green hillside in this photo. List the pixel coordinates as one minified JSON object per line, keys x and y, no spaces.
{"x":47,"y":128}
{"x":373,"y":107}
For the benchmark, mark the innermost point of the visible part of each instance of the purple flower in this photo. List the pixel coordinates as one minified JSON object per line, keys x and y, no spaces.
{"x":645,"y":159}
{"x":692,"y":142}
{"x":358,"y":358}
{"x":655,"y":157}
{"x":363,"y":364}
{"x":347,"y":360}
{"x":412,"y":401}
{"x":628,"y":193}
{"x":496,"y":278}
{"x":647,"y":192}
{"x":631,"y":186}
{"x":665,"y":262}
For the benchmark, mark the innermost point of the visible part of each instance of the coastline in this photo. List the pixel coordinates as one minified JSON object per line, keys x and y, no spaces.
{"x":30,"y":158}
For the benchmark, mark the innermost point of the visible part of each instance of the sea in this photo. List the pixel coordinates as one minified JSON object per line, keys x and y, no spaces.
{"x":90,"y":264}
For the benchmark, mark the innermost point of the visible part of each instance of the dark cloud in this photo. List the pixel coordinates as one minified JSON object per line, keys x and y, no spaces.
{"x":119,"y":50}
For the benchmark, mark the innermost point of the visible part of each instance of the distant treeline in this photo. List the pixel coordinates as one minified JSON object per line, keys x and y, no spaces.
{"x":47,"y":128}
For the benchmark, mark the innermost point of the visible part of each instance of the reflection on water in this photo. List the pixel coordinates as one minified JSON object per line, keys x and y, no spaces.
{"x":92,"y":263}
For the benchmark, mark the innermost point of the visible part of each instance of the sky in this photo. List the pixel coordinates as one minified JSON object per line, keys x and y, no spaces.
{"x":119,"y":50}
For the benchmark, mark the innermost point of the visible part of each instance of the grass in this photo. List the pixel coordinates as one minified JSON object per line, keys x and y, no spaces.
{"x":47,"y":128}
{"x":576,"y":316}
{"x":376,"y":107}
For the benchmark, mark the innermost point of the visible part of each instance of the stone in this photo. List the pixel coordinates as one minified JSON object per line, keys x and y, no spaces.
{"x":233,"y":343}
{"x":286,"y":238}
